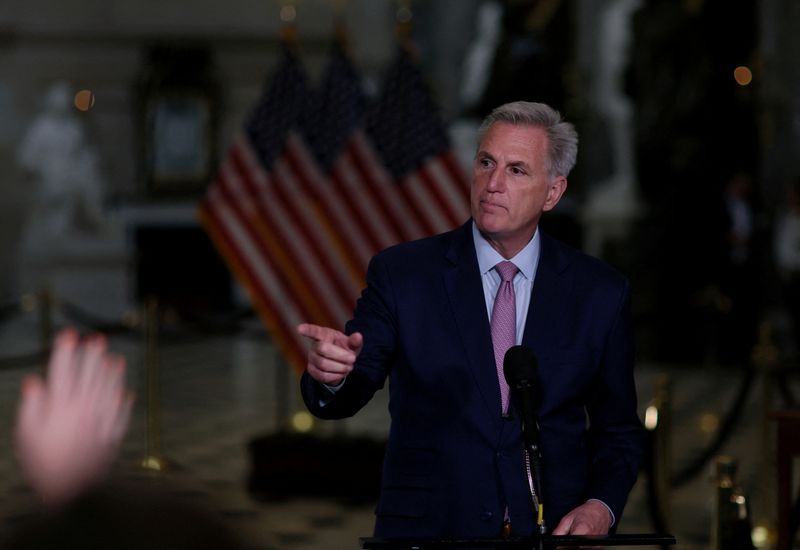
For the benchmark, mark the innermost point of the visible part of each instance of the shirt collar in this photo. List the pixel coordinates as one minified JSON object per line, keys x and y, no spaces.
{"x":526,"y":259}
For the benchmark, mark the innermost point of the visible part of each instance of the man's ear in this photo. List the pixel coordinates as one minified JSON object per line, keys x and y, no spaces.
{"x":554,"y":193}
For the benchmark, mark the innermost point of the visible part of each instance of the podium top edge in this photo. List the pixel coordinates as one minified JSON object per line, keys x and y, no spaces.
{"x":549,"y":541}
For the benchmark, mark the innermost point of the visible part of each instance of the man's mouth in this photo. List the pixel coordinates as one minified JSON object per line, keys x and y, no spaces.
{"x":487,"y":205}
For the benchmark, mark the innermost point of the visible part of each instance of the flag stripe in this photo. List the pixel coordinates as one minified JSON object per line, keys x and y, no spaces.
{"x":373,"y":233}
{"x":438,"y":188}
{"x":453,"y":188}
{"x":395,"y":205}
{"x":277,"y":195}
{"x":260,"y":246}
{"x":260,"y":291}
{"x":456,"y":175}
{"x":307,"y":237}
{"x":275,"y":229}
{"x":423,"y":196}
{"x":316,"y":191}
{"x":377,"y":187}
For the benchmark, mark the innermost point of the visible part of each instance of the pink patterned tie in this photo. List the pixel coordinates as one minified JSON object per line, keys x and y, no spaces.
{"x":504,"y":324}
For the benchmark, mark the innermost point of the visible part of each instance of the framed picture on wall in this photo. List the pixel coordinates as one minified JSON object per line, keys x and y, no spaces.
{"x":180,"y":152}
{"x":178,"y":96}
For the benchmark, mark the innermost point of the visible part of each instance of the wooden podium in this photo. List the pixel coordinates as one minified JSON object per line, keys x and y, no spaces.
{"x":527,"y":543}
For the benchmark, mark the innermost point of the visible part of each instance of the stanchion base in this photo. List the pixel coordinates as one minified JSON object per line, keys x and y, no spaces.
{"x":155,"y":464}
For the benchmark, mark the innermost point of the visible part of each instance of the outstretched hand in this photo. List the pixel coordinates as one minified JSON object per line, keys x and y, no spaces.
{"x":333,"y":353}
{"x":69,"y":426}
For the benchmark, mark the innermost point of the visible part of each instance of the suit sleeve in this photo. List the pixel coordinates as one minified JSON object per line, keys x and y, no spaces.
{"x":616,"y":435}
{"x":374,"y":317}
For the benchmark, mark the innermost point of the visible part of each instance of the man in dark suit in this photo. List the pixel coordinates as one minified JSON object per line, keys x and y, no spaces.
{"x":454,"y":463}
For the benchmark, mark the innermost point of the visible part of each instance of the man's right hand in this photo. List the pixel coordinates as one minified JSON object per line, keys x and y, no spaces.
{"x":332,"y":354}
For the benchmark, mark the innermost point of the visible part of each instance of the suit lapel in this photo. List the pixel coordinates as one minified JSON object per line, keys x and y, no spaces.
{"x":550,"y":293}
{"x":465,"y":292}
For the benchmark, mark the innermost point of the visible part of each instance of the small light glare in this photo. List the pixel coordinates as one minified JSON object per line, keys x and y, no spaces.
{"x":709,"y":423}
{"x":651,"y":418}
{"x":28,"y":302}
{"x":302,"y":422}
{"x":743,"y":75}
{"x":84,"y":100}
{"x":760,"y":537}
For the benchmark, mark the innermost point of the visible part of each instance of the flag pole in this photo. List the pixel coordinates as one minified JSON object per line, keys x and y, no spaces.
{"x":403,"y":22}
{"x":339,"y":26}
{"x":288,"y":36}
{"x":288,"y":32}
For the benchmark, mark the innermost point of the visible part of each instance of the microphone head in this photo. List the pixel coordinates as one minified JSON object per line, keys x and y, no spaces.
{"x":521,"y":368}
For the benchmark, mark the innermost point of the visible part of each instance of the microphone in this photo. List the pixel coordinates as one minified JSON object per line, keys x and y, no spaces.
{"x":521,"y":370}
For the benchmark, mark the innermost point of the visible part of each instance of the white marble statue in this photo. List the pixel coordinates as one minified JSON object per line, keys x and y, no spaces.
{"x":70,"y":246}
{"x":613,"y":204}
{"x":480,"y":55}
{"x":68,"y":194}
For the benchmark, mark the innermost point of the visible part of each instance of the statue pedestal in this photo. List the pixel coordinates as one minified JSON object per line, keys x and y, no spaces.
{"x":149,"y":250}
{"x":89,"y":273}
{"x":609,"y":214}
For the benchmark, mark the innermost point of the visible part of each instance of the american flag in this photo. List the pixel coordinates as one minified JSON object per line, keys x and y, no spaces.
{"x":320,"y":182}
{"x":412,"y":142}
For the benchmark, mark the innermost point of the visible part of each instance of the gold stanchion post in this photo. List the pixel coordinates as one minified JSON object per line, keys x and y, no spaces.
{"x":731,"y":523}
{"x":152,"y":460}
{"x":663,"y":470}
{"x":765,"y":360}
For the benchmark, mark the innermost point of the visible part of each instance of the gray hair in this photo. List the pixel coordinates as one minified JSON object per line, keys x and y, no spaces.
{"x":562,"y":142}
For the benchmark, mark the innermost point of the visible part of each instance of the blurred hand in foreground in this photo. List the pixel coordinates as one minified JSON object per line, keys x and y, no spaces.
{"x":69,"y":427}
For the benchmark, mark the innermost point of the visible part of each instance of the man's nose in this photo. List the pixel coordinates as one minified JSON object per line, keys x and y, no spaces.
{"x":496,"y":181}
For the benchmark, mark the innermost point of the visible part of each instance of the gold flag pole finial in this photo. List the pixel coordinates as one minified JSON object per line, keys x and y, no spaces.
{"x":339,"y":25}
{"x":288,"y":18}
{"x":404,"y":17}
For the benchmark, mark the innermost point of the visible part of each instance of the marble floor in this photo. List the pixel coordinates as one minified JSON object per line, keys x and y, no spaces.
{"x":219,"y":390}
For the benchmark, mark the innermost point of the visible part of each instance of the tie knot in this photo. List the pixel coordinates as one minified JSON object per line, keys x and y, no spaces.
{"x":507,"y":270}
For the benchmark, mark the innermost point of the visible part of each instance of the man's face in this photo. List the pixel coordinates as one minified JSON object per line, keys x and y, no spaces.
{"x":511,"y":186}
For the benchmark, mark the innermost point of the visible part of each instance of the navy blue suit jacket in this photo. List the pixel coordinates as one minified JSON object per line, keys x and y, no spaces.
{"x":453,"y":463}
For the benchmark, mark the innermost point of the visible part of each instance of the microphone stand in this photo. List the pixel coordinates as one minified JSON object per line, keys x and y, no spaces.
{"x":533,"y":469}
{"x":530,"y":438}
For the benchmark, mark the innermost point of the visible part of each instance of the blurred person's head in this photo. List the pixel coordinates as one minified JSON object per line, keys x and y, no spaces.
{"x":125,"y":517}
